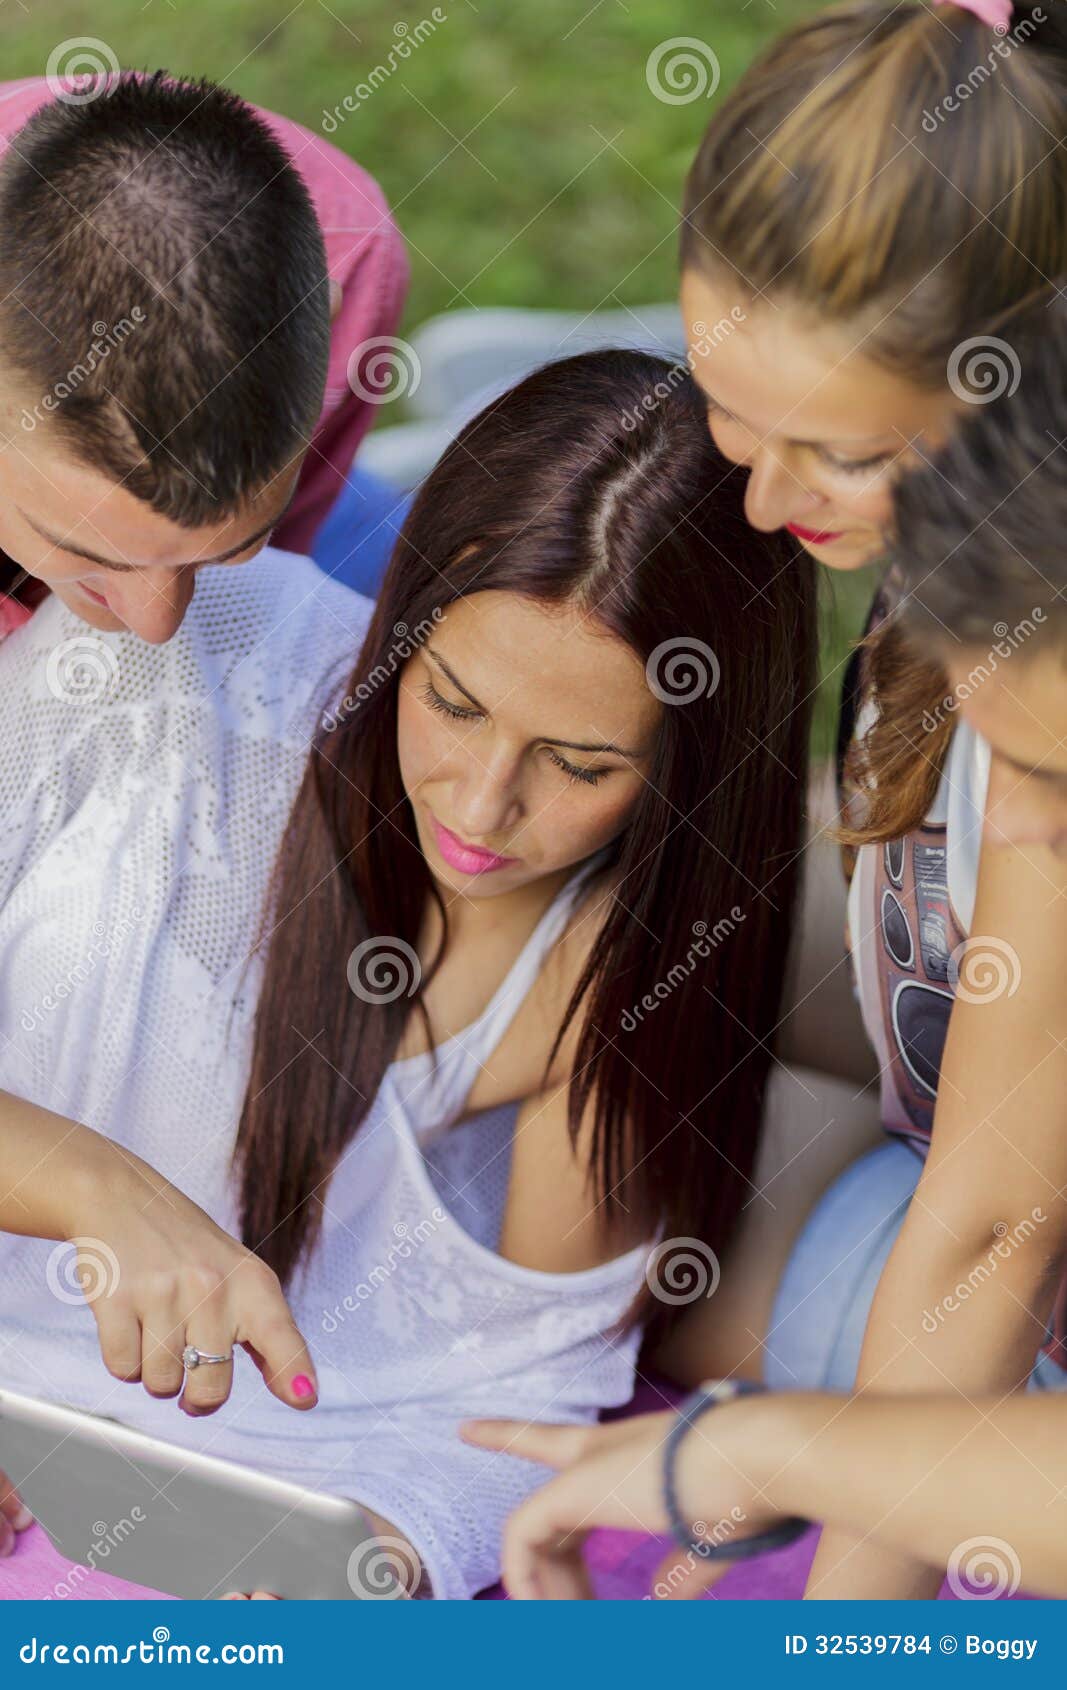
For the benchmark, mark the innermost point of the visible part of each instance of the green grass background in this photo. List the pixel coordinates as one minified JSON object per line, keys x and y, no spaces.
{"x":524,"y":155}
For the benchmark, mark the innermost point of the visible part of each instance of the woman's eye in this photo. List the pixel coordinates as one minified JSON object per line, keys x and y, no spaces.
{"x":588,"y":777}
{"x":856,"y":466}
{"x":455,"y":711}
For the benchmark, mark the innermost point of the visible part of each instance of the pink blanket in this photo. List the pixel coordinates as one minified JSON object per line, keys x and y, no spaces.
{"x":623,"y":1565}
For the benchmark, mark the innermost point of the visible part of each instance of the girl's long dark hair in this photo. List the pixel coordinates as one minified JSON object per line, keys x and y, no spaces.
{"x":594,"y":482}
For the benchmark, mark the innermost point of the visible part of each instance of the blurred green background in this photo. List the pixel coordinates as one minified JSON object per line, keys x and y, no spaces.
{"x":525,"y":158}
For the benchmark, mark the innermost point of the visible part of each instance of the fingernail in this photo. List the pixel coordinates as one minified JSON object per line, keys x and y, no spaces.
{"x":302,"y":1386}
{"x":22,"y":1519}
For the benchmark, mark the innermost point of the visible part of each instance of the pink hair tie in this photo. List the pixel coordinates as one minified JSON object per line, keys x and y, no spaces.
{"x":996,"y":13}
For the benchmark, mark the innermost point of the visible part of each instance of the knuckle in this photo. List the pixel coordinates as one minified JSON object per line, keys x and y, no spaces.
{"x":255,"y":1274}
{"x":156,"y":1285}
{"x":123,"y":1367}
{"x":162,"y":1389}
{"x":203,"y":1282}
{"x":213,"y":1397}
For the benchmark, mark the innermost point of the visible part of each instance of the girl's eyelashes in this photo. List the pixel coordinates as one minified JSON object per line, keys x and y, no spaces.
{"x":856,"y":466}
{"x":455,"y":711}
{"x":588,"y":777}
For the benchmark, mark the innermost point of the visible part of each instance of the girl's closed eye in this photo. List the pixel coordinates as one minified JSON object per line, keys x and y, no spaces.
{"x":457,"y":712}
{"x":844,"y":466}
{"x":588,"y":777}
{"x":856,"y":466}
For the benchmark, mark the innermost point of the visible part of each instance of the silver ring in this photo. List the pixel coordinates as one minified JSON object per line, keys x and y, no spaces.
{"x":192,"y":1357}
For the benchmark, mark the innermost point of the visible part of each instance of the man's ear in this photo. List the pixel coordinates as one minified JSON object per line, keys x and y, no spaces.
{"x":336,"y":297}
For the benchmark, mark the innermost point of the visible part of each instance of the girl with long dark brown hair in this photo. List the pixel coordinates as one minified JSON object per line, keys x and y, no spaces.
{"x":520,"y":958}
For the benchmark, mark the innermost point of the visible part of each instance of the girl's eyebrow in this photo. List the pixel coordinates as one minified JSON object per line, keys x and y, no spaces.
{"x":568,"y":744}
{"x":456,"y":682}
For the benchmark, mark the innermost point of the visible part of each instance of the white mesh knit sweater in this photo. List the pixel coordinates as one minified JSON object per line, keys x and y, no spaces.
{"x":143,"y":795}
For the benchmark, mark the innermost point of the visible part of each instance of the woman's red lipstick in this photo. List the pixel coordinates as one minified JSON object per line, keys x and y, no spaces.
{"x":813,"y":536}
{"x":468,"y":859}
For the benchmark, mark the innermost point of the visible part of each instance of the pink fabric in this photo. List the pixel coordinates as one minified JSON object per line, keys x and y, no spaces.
{"x":38,"y":1573}
{"x":364,"y":254}
{"x":996,"y":13}
{"x":12,"y":614}
{"x":623,"y":1564}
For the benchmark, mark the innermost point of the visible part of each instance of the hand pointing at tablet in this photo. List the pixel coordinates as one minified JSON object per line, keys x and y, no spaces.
{"x":176,"y":1291}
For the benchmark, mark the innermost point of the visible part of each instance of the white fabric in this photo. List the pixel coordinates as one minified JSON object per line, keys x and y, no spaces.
{"x":137,"y":830}
{"x":963,"y":792}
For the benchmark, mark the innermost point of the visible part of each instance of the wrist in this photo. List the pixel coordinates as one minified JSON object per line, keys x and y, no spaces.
{"x":766,"y":1441}
{"x":791,"y":1433}
{"x":96,"y":1173}
{"x":733,"y":1454}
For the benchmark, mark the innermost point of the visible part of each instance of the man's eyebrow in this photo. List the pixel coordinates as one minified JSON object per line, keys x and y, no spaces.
{"x":568,"y":744}
{"x":854,"y":440}
{"x":123,"y":568}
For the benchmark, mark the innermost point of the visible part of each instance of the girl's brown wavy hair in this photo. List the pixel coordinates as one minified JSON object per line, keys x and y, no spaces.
{"x":978,"y":570}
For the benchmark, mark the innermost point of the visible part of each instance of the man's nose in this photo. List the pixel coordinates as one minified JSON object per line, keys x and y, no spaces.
{"x":154,"y":602}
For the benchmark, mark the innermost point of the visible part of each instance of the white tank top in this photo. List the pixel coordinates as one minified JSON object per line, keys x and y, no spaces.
{"x":142,"y":807}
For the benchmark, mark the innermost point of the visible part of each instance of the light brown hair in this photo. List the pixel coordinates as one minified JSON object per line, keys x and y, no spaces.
{"x":901,"y":171}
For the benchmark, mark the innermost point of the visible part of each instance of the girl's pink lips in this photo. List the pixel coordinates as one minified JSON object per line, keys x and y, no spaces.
{"x":97,"y":598}
{"x":813,"y":536}
{"x":468,"y":859}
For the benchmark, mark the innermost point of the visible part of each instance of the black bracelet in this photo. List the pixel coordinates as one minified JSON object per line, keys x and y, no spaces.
{"x":775,"y":1537}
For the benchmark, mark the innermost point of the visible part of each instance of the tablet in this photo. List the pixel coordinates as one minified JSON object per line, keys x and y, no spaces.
{"x":169,"y":1518}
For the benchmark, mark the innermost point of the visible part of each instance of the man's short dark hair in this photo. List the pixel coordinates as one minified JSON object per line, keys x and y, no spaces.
{"x":163,"y":290}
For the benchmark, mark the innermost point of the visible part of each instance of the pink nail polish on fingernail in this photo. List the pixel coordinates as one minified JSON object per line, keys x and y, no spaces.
{"x":302,"y":1386}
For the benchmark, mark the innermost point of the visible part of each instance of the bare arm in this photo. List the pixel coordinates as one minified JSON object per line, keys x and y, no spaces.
{"x":988,"y":1215}
{"x":157,"y":1271}
{"x":44,"y":1158}
{"x":922,"y":1477}
{"x":917,"y":1476}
